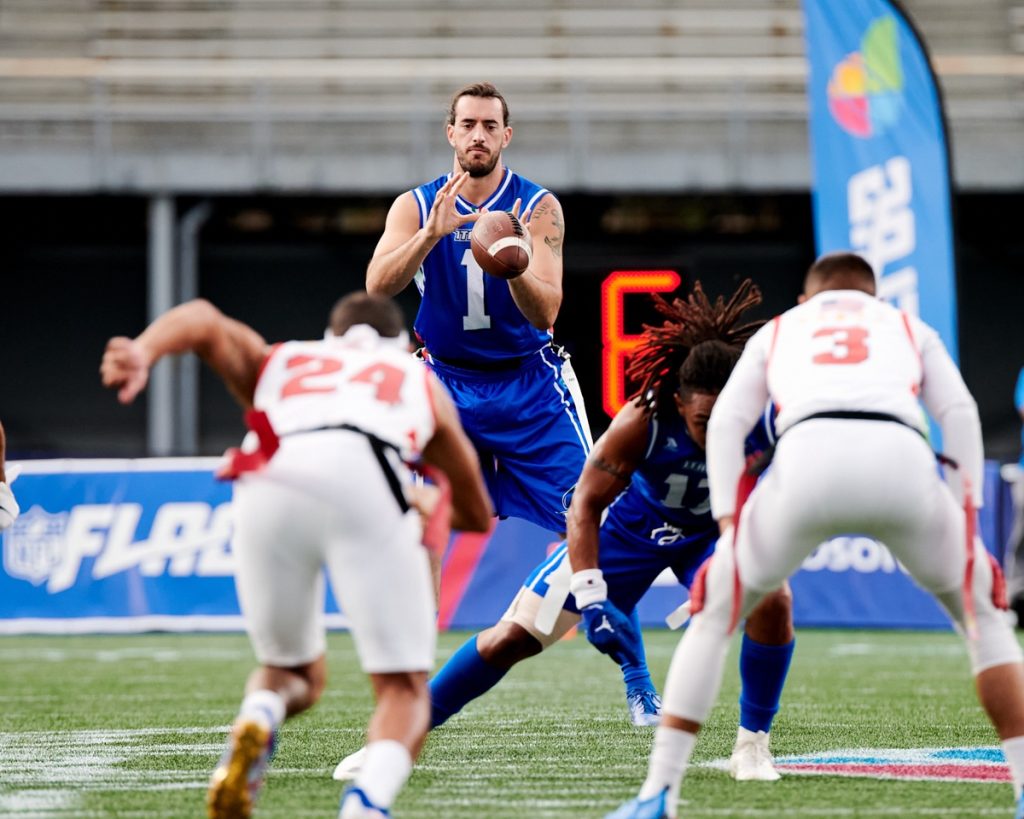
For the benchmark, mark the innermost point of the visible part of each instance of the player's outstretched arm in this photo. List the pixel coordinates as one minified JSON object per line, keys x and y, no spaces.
{"x":232,"y":349}
{"x":404,"y":244}
{"x":538,"y":292}
{"x":451,"y":451}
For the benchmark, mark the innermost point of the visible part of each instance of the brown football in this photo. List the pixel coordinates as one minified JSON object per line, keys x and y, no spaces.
{"x":501,"y":245}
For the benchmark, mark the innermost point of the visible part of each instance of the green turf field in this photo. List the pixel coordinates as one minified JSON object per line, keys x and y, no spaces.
{"x":131,"y":726}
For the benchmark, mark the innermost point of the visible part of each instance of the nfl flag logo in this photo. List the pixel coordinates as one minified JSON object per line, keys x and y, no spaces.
{"x":34,"y":545}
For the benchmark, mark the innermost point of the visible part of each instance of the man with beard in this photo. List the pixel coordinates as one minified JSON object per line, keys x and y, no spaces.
{"x":489,"y":340}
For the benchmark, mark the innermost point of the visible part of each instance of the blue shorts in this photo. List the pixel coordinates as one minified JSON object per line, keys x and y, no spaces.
{"x":628,"y":570}
{"x":530,"y":430}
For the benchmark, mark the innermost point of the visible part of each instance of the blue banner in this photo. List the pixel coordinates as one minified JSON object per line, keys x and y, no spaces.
{"x":880,"y":157}
{"x":121,"y":545}
{"x":142,"y":545}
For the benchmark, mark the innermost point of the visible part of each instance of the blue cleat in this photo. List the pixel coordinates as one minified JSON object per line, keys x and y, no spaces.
{"x":644,"y":706}
{"x":1020,"y":808}
{"x":653,"y":808}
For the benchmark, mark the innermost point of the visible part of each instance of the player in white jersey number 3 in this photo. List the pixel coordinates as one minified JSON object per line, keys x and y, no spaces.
{"x":846,"y":371}
{"x":337,"y":421}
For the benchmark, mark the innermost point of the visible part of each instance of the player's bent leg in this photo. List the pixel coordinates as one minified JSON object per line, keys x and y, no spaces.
{"x":466,"y":676}
{"x":395,"y":735}
{"x":273,"y":693}
{"x":695,"y":675}
{"x":477,"y":666}
{"x":764,"y":662}
{"x":994,"y":652}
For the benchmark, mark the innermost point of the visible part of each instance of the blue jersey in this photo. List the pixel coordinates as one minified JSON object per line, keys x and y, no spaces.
{"x":662,"y":520}
{"x":464,"y":313}
{"x":667,"y":502}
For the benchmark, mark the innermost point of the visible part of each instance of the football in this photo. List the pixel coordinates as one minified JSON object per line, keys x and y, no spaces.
{"x":501,"y":244}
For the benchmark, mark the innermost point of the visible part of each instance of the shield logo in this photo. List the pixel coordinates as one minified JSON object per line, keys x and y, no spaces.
{"x":35,"y":545}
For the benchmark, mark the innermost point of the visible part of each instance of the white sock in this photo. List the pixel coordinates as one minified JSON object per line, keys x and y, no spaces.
{"x":1014,"y":751}
{"x":263,"y":705}
{"x":669,"y":757}
{"x":387,"y":766}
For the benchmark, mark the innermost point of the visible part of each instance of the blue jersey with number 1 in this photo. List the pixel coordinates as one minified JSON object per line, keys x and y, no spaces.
{"x":464,"y":313}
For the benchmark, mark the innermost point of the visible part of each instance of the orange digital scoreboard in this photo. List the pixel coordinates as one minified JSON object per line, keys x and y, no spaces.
{"x":616,"y":342}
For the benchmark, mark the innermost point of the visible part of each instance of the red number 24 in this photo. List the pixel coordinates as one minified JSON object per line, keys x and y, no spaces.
{"x":384,"y":377}
{"x":848,"y":345}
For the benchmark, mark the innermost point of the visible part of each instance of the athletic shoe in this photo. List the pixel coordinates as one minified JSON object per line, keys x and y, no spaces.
{"x":355,"y":804}
{"x":751,"y":761}
{"x":1020,"y":809}
{"x":350,"y":766}
{"x":238,"y":777}
{"x":644,"y":706}
{"x":653,"y":808}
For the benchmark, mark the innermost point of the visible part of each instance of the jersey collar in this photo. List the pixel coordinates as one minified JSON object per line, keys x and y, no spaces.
{"x":471,"y":208}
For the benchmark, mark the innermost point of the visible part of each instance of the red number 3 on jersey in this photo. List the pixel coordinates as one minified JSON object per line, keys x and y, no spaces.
{"x":847,"y":347}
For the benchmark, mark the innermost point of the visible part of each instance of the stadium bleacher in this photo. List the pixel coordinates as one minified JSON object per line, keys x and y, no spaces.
{"x":290,"y":94}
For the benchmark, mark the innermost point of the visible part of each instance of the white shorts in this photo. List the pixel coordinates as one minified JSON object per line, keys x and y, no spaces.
{"x":324,"y":501}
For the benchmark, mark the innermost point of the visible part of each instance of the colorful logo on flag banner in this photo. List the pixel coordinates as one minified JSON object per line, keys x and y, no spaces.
{"x":983,"y":764}
{"x":865,"y":91}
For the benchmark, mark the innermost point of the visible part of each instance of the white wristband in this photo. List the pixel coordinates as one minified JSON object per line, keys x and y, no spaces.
{"x":588,"y":587}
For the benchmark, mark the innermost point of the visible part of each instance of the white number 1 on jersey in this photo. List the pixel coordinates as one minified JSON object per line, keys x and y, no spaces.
{"x":476,"y":317}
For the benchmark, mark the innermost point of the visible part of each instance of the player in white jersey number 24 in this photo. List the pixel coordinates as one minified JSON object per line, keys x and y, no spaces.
{"x":326,"y":483}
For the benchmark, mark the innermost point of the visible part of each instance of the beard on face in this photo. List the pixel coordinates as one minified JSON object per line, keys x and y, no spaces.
{"x":478,"y":167}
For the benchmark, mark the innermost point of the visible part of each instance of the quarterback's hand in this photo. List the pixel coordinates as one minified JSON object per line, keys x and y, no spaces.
{"x":444,"y":217}
{"x":8,"y":506}
{"x":124,"y":368}
{"x":610,"y":631}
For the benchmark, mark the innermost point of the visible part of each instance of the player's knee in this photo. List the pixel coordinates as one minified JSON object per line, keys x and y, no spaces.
{"x":771,"y":621}
{"x":407,"y":686}
{"x":994,"y":644}
{"x":506,"y":644}
{"x":315,"y":677}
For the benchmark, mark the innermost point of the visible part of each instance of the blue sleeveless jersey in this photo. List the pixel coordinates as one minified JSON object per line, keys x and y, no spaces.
{"x":667,"y":503}
{"x":465,"y":313}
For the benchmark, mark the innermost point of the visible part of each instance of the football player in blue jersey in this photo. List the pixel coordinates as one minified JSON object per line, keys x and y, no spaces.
{"x":647,"y":479}
{"x":488,"y":339}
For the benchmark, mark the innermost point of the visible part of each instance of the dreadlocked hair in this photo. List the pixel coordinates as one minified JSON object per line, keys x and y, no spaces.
{"x":688,"y":323}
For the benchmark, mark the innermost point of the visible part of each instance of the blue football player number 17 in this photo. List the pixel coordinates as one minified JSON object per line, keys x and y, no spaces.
{"x":677,"y":485}
{"x":476,"y":317}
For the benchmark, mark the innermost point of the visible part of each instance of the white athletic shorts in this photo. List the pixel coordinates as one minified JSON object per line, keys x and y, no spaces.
{"x":324,"y":501}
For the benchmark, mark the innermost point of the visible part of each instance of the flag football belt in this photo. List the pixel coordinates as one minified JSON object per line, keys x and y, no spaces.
{"x":761,"y":462}
{"x":237,"y":462}
{"x":379,"y":447}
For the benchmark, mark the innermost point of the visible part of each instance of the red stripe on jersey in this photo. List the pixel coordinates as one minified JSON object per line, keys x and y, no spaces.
{"x":427,"y":375}
{"x":465,"y":554}
{"x":744,"y":487}
{"x":915,"y":388}
{"x":970,"y":616}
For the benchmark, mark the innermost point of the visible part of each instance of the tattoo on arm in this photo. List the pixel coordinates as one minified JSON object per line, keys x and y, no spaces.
{"x":611,"y":469}
{"x":553,"y":242}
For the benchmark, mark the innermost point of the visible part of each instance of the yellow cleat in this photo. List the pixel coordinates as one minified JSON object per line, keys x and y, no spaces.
{"x":238,"y":777}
